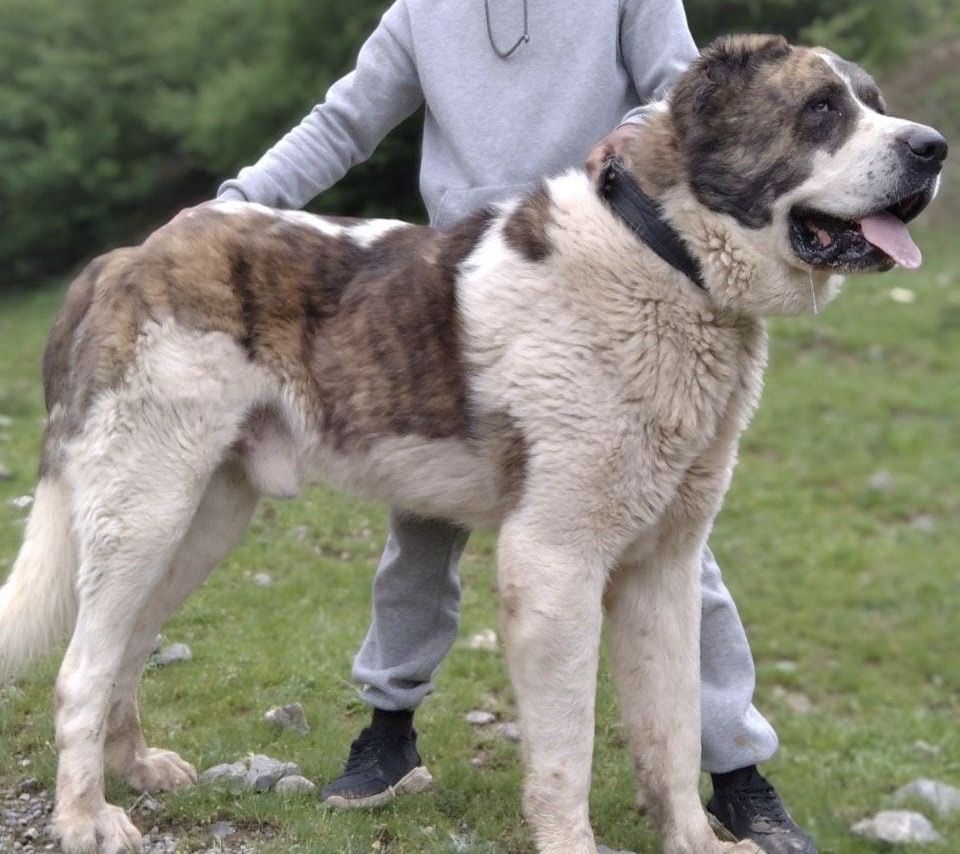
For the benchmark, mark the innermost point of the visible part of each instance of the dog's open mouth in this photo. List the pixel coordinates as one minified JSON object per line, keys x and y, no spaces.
{"x":874,"y":241}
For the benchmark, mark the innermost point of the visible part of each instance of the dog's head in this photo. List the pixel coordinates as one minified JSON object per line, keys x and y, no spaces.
{"x":793,"y":149}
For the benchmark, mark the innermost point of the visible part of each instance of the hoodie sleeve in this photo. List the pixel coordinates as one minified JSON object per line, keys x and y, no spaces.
{"x":345,"y":128}
{"x":657,"y":47}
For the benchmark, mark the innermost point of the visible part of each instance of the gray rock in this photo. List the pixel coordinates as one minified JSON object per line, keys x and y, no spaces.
{"x":295,"y":785}
{"x":6,"y":421}
{"x":605,"y":850}
{"x":924,"y":522}
{"x":21,"y":502}
{"x":897,"y":827}
{"x":222,"y":829}
{"x":480,"y":718}
{"x":289,"y":717}
{"x":265,"y":772}
{"x":28,"y":785}
{"x":172,"y":654}
{"x":508,"y":731}
{"x":230,"y":773}
{"x":263,"y":579}
{"x":941,"y":797}
{"x":5,"y":473}
{"x":881,"y":481}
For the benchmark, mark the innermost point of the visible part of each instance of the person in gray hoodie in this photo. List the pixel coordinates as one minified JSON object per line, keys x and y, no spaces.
{"x":514,"y":90}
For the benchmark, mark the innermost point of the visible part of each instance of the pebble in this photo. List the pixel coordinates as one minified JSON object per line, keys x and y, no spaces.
{"x":926,"y":749}
{"x":21,"y":502}
{"x":480,"y":718}
{"x":939,"y":796}
{"x":508,"y":731}
{"x":924,"y":523}
{"x":265,"y":772}
{"x":294,"y":785}
{"x":229,"y":773}
{"x":290,"y":717}
{"x":222,"y":829}
{"x":485,"y":640}
{"x":263,"y":579}
{"x":6,"y":422}
{"x":881,"y":481}
{"x":798,"y":703}
{"x":172,"y":654}
{"x":897,"y":827}
{"x":5,"y":473}
{"x":604,"y":850}
{"x":903,"y":295}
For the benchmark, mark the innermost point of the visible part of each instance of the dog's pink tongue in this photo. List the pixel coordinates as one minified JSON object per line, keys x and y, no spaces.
{"x":889,"y":234}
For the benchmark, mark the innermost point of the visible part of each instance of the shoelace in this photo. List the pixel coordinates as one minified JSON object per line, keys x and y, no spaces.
{"x":762,"y":797}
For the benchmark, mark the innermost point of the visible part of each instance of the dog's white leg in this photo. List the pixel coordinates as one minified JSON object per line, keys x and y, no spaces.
{"x":551,"y":612}
{"x":219,"y":523}
{"x":138,"y":473}
{"x":654,"y":609}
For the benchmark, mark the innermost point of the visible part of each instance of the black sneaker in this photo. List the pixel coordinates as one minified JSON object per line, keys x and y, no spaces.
{"x":746,"y":806}
{"x":383,"y":763}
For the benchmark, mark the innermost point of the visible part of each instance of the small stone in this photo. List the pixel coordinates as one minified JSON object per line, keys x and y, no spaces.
{"x":924,"y":522}
{"x":222,"y":829}
{"x":881,"y":481}
{"x":265,"y":772}
{"x":289,"y":717}
{"x":30,"y":834}
{"x":485,"y":640}
{"x":230,"y":773}
{"x":5,"y":473}
{"x":897,"y":827}
{"x":295,"y":785}
{"x":479,"y":718}
{"x":799,"y":703}
{"x":508,"y":731}
{"x":263,"y":579}
{"x":147,"y":803}
{"x":28,"y":784}
{"x":5,"y":422}
{"x":604,"y":850}
{"x":21,"y":502}
{"x":172,"y":654}
{"x":939,"y":796}
{"x":903,"y":295}
{"x":785,"y":666}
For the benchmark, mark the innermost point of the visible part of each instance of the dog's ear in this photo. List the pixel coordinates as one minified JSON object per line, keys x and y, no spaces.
{"x":725,"y":64}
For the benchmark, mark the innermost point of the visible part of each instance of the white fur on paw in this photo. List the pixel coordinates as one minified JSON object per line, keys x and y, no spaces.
{"x":743,"y":847}
{"x":160,"y":771}
{"x":108,"y":831}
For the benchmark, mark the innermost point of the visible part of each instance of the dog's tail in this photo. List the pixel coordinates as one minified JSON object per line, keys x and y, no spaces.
{"x":38,"y":602}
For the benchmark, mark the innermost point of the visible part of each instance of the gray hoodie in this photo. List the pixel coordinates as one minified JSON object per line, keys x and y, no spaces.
{"x":493,"y":127}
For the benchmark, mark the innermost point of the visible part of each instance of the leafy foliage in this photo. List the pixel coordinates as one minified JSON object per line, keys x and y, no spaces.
{"x":116,"y":113}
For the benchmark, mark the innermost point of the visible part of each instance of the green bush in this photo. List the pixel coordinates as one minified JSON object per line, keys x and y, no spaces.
{"x":116,"y":113}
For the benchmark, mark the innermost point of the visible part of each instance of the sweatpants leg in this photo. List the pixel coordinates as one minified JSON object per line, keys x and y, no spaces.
{"x":735,"y":734}
{"x":416,"y":612}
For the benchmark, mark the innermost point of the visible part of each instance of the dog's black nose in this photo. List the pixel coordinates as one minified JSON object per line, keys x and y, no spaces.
{"x":925,"y":146}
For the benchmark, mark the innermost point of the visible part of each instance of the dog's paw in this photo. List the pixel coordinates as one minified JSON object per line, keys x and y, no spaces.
{"x":108,"y":831}
{"x":159,"y":771}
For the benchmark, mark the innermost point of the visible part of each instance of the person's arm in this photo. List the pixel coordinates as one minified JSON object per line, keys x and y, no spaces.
{"x":358,"y":111}
{"x":657,"y":47}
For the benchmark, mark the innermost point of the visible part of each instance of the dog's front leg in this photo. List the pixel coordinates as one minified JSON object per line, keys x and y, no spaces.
{"x":654,"y":608}
{"x":551,"y":612}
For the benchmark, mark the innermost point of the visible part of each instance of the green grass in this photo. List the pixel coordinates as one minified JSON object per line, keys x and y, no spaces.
{"x":837,"y":577}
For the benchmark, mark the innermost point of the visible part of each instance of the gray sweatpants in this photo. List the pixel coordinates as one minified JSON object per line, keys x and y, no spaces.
{"x":416,"y":610}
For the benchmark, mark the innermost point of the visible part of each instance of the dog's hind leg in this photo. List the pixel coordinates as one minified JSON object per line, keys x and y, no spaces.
{"x":654,"y":608}
{"x":138,"y":473}
{"x":217,"y":526}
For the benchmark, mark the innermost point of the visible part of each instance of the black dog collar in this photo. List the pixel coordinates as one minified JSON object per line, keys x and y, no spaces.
{"x":643,"y":215}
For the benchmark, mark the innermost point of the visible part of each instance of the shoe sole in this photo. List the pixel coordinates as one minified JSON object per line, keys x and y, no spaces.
{"x":418,"y":780}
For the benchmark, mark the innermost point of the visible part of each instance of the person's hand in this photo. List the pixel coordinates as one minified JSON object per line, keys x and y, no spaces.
{"x":612,"y":145}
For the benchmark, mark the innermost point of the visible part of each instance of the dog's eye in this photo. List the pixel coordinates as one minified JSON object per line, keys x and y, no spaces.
{"x":824,"y":105}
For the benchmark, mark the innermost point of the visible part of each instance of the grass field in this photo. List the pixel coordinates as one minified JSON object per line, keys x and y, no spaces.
{"x":839,"y":540}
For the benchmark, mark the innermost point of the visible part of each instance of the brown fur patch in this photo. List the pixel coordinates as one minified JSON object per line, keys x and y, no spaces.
{"x":368,"y":334}
{"x":526,"y":229}
{"x":744,"y":127}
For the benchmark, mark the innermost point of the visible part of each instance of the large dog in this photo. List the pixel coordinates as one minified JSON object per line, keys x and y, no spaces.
{"x":537,"y":368}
